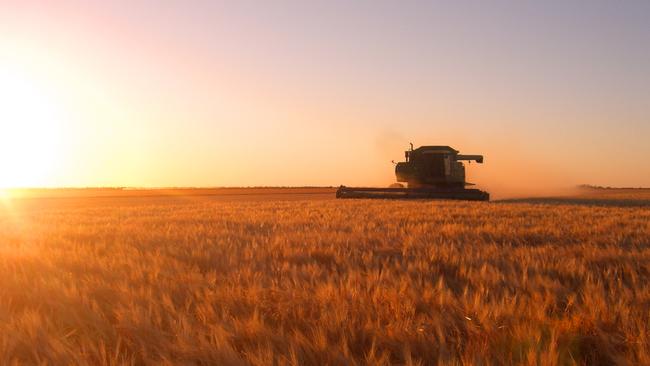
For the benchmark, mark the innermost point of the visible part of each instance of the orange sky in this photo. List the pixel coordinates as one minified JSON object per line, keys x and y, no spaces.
{"x":288,"y":93}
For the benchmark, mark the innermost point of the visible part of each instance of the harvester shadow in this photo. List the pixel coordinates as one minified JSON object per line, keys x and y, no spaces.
{"x":579,"y":201}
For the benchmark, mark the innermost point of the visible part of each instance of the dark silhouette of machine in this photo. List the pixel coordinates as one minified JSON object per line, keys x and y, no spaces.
{"x":434,"y":172}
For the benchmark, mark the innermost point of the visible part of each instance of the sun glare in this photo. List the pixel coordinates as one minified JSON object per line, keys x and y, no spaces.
{"x":29,"y":132}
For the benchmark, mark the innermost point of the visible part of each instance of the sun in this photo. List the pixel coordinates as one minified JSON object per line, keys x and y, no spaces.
{"x":30,"y":131}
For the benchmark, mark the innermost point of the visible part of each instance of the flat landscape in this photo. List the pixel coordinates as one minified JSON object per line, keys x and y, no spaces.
{"x":295,"y":277}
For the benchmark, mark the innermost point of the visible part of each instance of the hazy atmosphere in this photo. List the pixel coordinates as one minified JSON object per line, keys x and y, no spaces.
{"x":231,"y":183}
{"x":166,"y":93}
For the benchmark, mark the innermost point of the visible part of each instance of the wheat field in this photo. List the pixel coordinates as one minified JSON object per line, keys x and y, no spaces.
{"x":323,"y":282}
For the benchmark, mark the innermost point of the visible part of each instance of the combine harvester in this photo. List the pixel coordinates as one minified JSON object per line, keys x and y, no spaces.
{"x":430,"y":172}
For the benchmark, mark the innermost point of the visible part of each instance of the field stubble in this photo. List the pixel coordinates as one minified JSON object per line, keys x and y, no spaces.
{"x":324,"y":282}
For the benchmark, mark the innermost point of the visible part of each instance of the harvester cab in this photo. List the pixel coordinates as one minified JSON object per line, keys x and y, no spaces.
{"x":435,"y":172}
{"x":434,"y":166}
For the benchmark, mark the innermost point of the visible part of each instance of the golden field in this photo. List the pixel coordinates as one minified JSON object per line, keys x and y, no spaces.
{"x":205,"y":281}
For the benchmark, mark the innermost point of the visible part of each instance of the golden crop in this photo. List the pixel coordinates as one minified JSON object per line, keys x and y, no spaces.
{"x":323,"y":282}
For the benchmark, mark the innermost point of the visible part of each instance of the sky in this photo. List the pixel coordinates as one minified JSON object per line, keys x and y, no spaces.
{"x":294,"y":93}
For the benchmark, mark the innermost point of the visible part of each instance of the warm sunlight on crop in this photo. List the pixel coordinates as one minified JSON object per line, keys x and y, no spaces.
{"x":30,"y":131}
